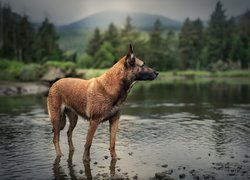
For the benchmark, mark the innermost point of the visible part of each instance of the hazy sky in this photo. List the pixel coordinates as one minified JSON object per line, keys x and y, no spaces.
{"x":66,"y":11}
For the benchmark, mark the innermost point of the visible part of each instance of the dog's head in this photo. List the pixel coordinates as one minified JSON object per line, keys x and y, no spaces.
{"x":137,"y":68}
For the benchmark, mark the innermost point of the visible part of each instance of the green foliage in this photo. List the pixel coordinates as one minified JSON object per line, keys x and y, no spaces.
{"x":104,"y":57}
{"x":14,"y":70}
{"x":59,"y":64}
{"x":30,"y":72}
{"x":10,"y":70}
{"x":21,"y":41}
{"x":217,"y":34}
{"x":94,"y":43}
{"x":84,"y":61}
{"x":91,"y":73}
{"x":190,"y":44}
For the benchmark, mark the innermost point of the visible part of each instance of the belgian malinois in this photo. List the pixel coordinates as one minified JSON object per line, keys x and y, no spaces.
{"x":98,"y":99}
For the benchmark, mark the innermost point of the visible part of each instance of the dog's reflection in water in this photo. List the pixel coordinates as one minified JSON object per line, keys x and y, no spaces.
{"x":59,"y":172}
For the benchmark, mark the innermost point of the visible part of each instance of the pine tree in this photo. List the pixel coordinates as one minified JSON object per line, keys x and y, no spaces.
{"x":128,"y":28}
{"x":169,"y":50}
{"x":218,"y":32}
{"x":46,"y":46}
{"x":112,"y":37}
{"x":190,"y":44}
{"x":244,"y":33}
{"x":95,"y":42}
{"x":8,"y":32}
{"x":156,"y":35}
{"x":155,"y":56}
{"x":25,"y":39}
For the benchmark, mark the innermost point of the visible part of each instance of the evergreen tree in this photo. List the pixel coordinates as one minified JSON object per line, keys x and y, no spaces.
{"x":217,"y":34}
{"x":112,"y":35}
{"x":94,"y":43}
{"x":25,"y":39}
{"x":190,"y":44}
{"x":46,"y":46}
{"x":128,"y":28}
{"x":8,"y":32}
{"x":169,"y":51}
{"x":244,"y":33}
{"x":156,"y":35}
{"x":156,"y":57}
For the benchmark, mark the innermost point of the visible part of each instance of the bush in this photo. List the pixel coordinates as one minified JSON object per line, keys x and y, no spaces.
{"x":30,"y":72}
{"x":84,"y":61}
{"x":62,"y":65}
{"x":10,"y":70}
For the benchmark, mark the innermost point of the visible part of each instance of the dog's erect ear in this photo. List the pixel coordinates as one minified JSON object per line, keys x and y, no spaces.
{"x":130,"y":58}
{"x":131,"y":51}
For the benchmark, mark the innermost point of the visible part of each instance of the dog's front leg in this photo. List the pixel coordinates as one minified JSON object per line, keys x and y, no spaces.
{"x":113,"y":124}
{"x":92,"y":128}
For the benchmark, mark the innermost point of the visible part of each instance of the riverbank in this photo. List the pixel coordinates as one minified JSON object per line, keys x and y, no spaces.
{"x":189,"y":74}
{"x":18,"y":87}
{"x":10,"y":88}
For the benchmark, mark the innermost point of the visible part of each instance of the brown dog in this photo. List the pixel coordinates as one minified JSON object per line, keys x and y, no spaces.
{"x":98,"y":99}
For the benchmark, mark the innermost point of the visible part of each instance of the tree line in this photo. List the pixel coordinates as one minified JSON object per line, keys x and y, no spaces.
{"x":219,"y":44}
{"x":23,"y":41}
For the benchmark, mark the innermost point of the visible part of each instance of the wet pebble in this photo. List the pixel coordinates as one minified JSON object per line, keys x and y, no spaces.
{"x":102,"y":167}
{"x":117,"y":177}
{"x":135,"y":177}
{"x":162,"y":176}
{"x":164,"y":165}
{"x":231,"y":174}
{"x":106,"y":157}
{"x":105,"y":175}
{"x":245,"y":161}
{"x":207,"y":176}
{"x":192,"y":171}
{"x":196,"y":178}
{"x":169,"y":172}
{"x":182,"y":176}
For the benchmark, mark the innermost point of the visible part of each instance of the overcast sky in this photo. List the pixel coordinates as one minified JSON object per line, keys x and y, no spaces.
{"x":66,"y":11}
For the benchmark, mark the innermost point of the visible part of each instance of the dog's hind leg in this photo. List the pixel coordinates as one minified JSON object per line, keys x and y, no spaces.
{"x":72,"y":123}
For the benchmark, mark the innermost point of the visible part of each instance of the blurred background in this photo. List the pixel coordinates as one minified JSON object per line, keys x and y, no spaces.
{"x":167,"y":35}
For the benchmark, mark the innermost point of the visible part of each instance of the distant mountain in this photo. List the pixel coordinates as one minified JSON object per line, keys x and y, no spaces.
{"x":75,"y":36}
{"x":103,"y":19}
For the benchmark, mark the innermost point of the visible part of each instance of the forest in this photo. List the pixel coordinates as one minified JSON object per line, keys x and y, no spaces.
{"x":221,"y":43}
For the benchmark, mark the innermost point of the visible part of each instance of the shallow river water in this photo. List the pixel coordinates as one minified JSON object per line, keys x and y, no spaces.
{"x":178,"y":129}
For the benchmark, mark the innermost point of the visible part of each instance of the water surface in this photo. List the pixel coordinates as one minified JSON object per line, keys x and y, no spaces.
{"x":183,"y":126}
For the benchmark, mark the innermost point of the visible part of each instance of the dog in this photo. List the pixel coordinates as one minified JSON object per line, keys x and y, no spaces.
{"x":98,"y":100}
